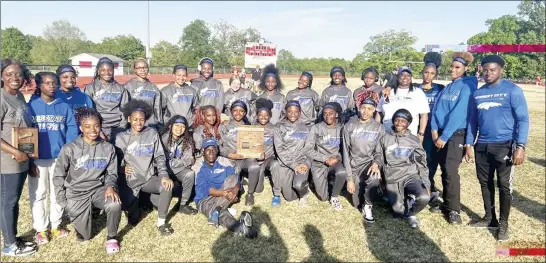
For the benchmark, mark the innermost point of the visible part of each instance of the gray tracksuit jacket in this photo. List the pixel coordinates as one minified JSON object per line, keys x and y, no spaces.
{"x":228,"y":133}
{"x":82,"y":168}
{"x":359,"y":142}
{"x":148,"y":92}
{"x":341,"y":95}
{"x":245,"y":95}
{"x":269,"y":133}
{"x":401,"y":156}
{"x":289,"y":140}
{"x":177,"y":159}
{"x":209,"y":92}
{"x":323,"y":142}
{"x":14,"y":112}
{"x":179,"y":101}
{"x":277,"y":113}
{"x":108,"y":99}
{"x":199,"y":136}
{"x":309,"y":102}
{"x":144,"y":153}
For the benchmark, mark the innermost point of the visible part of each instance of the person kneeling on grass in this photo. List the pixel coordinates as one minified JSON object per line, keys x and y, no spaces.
{"x":178,"y":144}
{"x":141,"y":153}
{"x":216,"y":188}
{"x":405,"y":168}
{"x":323,"y":147}
{"x":86,"y":175}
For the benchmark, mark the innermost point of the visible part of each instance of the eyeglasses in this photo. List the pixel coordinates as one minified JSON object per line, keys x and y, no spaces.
{"x":141,"y":68}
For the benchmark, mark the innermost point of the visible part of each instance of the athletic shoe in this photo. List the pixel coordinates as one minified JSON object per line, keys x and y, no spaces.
{"x":187,"y":210}
{"x":245,"y":226}
{"x":19,"y":249}
{"x":41,"y":238}
{"x":60,"y":232}
{"x":502,"y":232}
{"x":214,"y":217}
{"x":454,"y":218}
{"x":304,"y":200}
{"x":435,"y":209}
{"x":367,"y":213}
{"x":484,"y":223}
{"x":413,"y":222}
{"x":249,"y":200}
{"x":336,"y":205}
{"x":276,"y":201}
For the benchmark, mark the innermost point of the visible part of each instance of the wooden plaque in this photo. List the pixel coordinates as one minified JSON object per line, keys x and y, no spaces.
{"x":250,"y":141}
{"x":26,"y":140}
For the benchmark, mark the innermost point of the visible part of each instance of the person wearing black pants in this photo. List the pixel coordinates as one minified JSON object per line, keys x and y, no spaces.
{"x":497,"y":110}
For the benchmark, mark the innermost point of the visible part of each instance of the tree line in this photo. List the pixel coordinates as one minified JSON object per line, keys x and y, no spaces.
{"x":225,"y":43}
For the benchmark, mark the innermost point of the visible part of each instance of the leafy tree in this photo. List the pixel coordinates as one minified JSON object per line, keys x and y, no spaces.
{"x":195,"y":42}
{"x":15,"y":45}
{"x":64,"y":39}
{"x":165,"y":54}
{"x":126,"y":47}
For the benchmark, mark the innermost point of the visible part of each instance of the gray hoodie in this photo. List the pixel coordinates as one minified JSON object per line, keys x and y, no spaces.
{"x":108,"y":99}
{"x":179,"y":101}
{"x":323,"y":142}
{"x":228,"y":133}
{"x":289,"y":140}
{"x":144,"y":153}
{"x":341,"y":95}
{"x":177,"y":159}
{"x":269,"y":133}
{"x":401,"y":156}
{"x":199,"y":136}
{"x":309,"y":101}
{"x":14,"y":113}
{"x":359,"y":142}
{"x":209,"y":92}
{"x":245,"y":95}
{"x":148,"y":92}
{"x":81,"y":168}
{"x":277,"y":113}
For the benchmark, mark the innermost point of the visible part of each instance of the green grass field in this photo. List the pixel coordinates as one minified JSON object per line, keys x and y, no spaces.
{"x":318,"y":233}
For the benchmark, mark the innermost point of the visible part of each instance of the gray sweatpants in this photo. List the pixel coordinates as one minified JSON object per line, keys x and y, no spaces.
{"x":397,"y":192}
{"x":80,"y":213}
{"x":208,"y":204}
{"x":268,"y":164}
{"x":187,"y":179}
{"x":365,"y":186}
{"x":253,"y":169}
{"x":292,"y":185}
{"x":320,"y":173}
{"x":160,"y":197}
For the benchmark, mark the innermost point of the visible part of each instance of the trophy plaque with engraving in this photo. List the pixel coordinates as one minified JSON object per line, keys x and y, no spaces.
{"x":250,"y":140}
{"x":26,"y":140}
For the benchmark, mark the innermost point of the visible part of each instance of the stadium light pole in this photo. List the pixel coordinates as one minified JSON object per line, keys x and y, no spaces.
{"x":148,"y":52}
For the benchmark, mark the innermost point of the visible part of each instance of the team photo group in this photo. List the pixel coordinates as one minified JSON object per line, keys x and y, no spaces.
{"x":118,"y":149}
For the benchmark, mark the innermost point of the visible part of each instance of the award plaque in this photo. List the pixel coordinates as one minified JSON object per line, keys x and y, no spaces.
{"x":250,"y":141}
{"x":26,"y":140}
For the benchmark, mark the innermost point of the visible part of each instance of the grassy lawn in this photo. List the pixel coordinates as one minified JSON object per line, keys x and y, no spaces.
{"x":318,"y":233}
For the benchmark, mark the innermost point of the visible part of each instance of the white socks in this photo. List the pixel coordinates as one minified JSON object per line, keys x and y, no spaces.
{"x":160,"y":222}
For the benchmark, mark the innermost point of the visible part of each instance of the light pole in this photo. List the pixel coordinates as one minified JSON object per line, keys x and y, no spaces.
{"x":148,"y":53}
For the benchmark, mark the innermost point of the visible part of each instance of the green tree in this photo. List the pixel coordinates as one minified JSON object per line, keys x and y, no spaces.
{"x":165,"y":54}
{"x":65,"y":39}
{"x":126,"y":47}
{"x":286,"y":61}
{"x":534,"y":15}
{"x":195,"y":42}
{"x":15,"y":45}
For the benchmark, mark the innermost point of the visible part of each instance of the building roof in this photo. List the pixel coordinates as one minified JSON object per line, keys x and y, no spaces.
{"x":98,"y":56}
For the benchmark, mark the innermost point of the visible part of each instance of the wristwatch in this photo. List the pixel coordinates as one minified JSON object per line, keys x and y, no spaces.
{"x":521,"y":146}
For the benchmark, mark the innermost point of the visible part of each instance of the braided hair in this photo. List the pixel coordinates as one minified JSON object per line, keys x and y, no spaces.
{"x":187,"y":139}
{"x":27,"y":75}
{"x":200,"y":120}
{"x":39,"y":79}
{"x":83,"y":113}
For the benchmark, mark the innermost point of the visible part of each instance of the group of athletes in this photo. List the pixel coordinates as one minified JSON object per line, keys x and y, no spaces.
{"x":110,"y":145}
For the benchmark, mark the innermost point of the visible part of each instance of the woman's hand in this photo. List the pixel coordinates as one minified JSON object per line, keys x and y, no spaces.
{"x":129,"y":171}
{"x":236,"y":156}
{"x":440,"y":143}
{"x":110,"y":192}
{"x":374,"y":171}
{"x":468,"y":154}
{"x":351,"y":187}
{"x":519,"y":156}
{"x":20,"y":156}
{"x":167,"y":183}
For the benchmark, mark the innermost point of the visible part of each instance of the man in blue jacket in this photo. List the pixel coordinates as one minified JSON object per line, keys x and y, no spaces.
{"x":498,"y":110}
{"x":216,"y":188}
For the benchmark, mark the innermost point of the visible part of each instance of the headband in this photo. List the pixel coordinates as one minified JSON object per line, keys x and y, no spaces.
{"x":461,"y":60}
{"x":180,"y":120}
{"x":369,"y":101}
{"x":293,"y":103}
{"x":270,"y":75}
{"x":401,"y":115}
{"x":177,"y":67}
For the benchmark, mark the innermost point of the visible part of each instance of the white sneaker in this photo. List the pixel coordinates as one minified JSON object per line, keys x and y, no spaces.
{"x":413,"y":222}
{"x":336,"y":204}
{"x":304,"y":200}
{"x":367,"y":213}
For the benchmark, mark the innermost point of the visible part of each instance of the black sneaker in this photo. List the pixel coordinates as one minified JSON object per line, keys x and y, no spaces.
{"x":245,"y":225}
{"x":187,"y":210}
{"x":249,"y":200}
{"x":502,"y":232}
{"x":20,"y":248}
{"x":484,"y":223}
{"x":454,"y":218}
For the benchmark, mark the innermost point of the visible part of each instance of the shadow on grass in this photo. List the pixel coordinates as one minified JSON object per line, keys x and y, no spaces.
{"x":392,"y":240}
{"x":315,"y":241}
{"x":529,"y":207}
{"x":232,"y":248}
{"x":537,"y":161}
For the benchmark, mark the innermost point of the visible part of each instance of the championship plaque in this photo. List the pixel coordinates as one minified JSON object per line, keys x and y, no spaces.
{"x":250,"y":141}
{"x":26,"y":140}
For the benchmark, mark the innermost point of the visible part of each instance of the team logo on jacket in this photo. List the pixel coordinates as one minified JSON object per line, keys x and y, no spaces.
{"x":86,"y":162}
{"x":176,"y":150}
{"x":268,"y":140}
{"x":488,"y":105}
{"x":137,"y":149}
{"x":207,"y":92}
{"x":144,"y":93}
{"x":304,"y":100}
{"x":232,"y":132}
{"x":181,"y":97}
{"x":218,"y":170}
{"x":298,"y":135}
{"x":331,"y":140}
{"x":362,"y":134}
{"x":277,"y":106}
{"x":107,"y":96}
{"x":342,"y":100}
{"x":399,"y":151}
{"x":49,"y":122}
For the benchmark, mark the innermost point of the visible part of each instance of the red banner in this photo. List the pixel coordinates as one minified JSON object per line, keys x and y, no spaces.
{"x":524,"y":48}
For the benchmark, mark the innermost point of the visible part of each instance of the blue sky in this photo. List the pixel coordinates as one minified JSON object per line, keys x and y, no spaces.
{"x":307,"y":29}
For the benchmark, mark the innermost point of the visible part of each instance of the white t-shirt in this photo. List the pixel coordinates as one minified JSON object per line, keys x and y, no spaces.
{"x":415,"y":102}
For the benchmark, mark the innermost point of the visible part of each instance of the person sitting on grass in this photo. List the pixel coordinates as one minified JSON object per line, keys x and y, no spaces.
{"x":144,"y":165}
{"x":323,"y":147}
{"x":178,"y":144}
{"x":216,"y":188}
{"x":404,"y":164}
{"x":86,"y":175}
